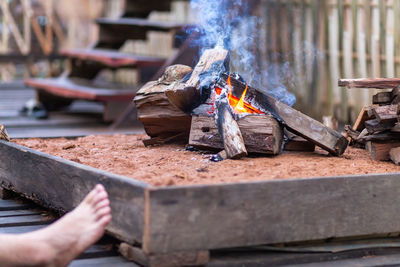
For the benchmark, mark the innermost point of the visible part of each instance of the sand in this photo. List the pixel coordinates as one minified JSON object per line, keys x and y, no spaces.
{"x":169,"y":165}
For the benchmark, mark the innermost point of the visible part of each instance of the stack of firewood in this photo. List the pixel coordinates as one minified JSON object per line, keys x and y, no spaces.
{"x":377,"y":128}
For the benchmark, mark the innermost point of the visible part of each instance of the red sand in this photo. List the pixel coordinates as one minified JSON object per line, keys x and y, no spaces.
{"x":171,"y":165}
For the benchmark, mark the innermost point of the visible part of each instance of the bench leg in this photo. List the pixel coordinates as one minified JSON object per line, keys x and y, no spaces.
{"x":187,"y":258}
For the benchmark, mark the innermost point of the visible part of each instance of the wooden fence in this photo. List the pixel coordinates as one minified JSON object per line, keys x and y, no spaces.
{"x":327,"y":40}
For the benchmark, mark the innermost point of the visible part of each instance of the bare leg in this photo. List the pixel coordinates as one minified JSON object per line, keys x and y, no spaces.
{"x":62,"y":241}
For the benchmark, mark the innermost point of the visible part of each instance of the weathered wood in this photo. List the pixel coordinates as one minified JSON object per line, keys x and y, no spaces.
{"x":155,"y":111}
{"x":261,"y":134}
{"x":351,"y":199}
{"x":24,"y":220}
{"x":362,"y":117}
{"x":229,"y":131}
{"x":374,"y":126}
{"x":380,"y":150}
{"x":385,"y":136}
{"x":396,"y":95}
{"x":377,"y":83}
{"x":382,"y":98}
{"x":386,"y":114}
{"x":293,"y":120}
{"x":186,"y":96}
{"x":394,"y":154}
{"x":176,"y":259}
{"x":69,"y":183}
{"x":298,"y":143}
{"x":3,"y":133}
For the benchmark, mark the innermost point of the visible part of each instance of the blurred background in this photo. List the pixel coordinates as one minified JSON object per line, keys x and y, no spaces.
{"x":318,"y":42}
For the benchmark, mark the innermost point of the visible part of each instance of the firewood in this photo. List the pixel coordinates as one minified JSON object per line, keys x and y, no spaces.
{"x":380,"y":151}
{"x":375,"y":126}
{"x":186,"y":96}
{"x":385,"y":136}
{"x":297,"y":143}
{"x":386,"y":113}
{"x":160,"y":118}
{"x":3,"y":133}
{"x":396,"y":95}
{"x":377,"y":83}
{"x":394,"y":154}
{"x":382,"y":98}
{"x":229,"y":131}
{"x":362,"y":117}
{"x":261,"y":133}
{"x":293,"y":120}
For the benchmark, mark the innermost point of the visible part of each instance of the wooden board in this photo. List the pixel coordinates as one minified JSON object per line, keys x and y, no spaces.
{"x":378,"y":83}
{"x":234,"y":215}
{"x":69,"y":183}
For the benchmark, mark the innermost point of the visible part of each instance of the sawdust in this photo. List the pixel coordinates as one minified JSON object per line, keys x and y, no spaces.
{"x":170,"y":165}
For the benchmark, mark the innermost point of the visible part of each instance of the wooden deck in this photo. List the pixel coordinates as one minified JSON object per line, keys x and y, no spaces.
{"x":82,"y":118}
{"x":19,"y":216}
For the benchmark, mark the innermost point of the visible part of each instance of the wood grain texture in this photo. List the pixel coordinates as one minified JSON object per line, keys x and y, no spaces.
{"x":61,"y":185}
{"x":201,"y":217}
{"x":261,"y":134}
{"x":377,"y":83}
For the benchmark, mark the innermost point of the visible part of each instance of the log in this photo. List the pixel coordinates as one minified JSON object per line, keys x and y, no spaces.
{"x":394,"y":154}
{"x":295,"y":121}
{"x":386,"y":114}
{"x":261,"y":134}
{"x":161,"y":119}
{"x":375,"y":126}
{"x":186,"y":96}
{"x":297,"y":143}
{"x":229,"y":131}
{"x":396,"y":95}
{"x":380,"y":150}
{"x":377,"y":83}
{"x":382,"y":98}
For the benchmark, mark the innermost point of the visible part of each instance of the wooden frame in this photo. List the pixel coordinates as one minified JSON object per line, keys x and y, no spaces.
{"x":168,"y":220}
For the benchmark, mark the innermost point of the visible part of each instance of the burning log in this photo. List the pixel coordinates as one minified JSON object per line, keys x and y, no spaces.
{"x":186,"y":96}
{"x":163,"y":121}
{"x":378,"y":83}
{"x":293,"y":120}
{"x":262,"y":134}
{"x":229,"y":131}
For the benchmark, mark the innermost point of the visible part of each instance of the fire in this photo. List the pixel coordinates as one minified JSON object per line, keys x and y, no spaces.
{"x":237,"y":104}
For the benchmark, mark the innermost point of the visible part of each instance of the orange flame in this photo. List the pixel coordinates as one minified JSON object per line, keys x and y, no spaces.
{"x":239,"y":105}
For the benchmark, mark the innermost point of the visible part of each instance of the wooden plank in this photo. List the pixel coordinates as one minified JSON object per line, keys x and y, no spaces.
{"x":24,"y":220}
{"x":377,"y":83}
{"x":270,"y":212}
{"x":380,"y":150}
{"x":20,"y":229}
{"x":10,"y":213}
{"x":70,"y":182}
{"x":106,"y":262}
{"x":69,"y":89}
{"x":12,"y":205}
{"x":112,"y":58}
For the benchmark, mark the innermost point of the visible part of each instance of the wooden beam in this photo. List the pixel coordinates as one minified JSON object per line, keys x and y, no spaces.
{"x":377,"y":83}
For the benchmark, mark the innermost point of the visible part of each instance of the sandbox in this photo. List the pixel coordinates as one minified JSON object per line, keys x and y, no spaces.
{"x":189,"y":206}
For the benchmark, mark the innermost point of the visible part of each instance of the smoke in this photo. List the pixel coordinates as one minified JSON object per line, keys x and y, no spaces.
{"x":229,"y":24}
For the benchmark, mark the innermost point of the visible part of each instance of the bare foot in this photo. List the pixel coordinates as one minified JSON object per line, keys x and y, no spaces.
{"x":67,"y":238}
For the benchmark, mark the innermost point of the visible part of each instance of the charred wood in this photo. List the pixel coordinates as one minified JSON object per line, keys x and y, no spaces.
{"x":188,"y":95}
{"x":293,"y":120}
{"x":229,"y":131}
{"x":262,"y":134}
{"x":297,"y":143}
{"x":386,"y":114}
{"x":375,"y":126}
{"x":382,"y":98}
